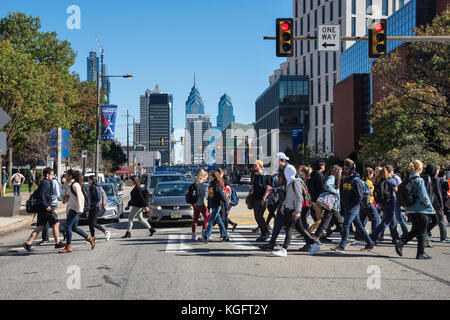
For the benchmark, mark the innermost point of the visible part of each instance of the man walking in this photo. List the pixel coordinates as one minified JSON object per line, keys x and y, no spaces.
{"x":45,"y":213}
{"x":30,"y":179}
{"x":55,"y":200}
{"x":315,"y":188}
{"x":17,"y":180}
{"x":5,"y":179}
{"x":352,"y":195}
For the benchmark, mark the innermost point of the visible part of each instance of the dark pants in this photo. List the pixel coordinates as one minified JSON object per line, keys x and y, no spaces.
{"x":306,"y":211}
{"x":438,"y":219}
{"x":352,"y":215}
{"x":326,"y":220}
{"x":259,"y":207}
{"x":72,"y":225}
{"x":419,"y":229}
{"x":368,"y":213}
{"x":46,"y":227}
{"x":388,"y":220}
{"x":30,"y":186}
{"x":17,"y":190}
{"x":272,"y":209}
{"x":92,"y":220}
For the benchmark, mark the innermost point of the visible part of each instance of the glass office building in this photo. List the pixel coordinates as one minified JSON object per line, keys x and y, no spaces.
{"x":402,"y":23}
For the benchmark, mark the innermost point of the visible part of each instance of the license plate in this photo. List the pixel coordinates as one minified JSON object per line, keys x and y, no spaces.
{"x":176,"y":215}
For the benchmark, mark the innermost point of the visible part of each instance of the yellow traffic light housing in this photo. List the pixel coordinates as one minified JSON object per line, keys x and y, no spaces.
{"x":162,"y":142}
{"x":377,"y":38}
{"x":285,"y":37}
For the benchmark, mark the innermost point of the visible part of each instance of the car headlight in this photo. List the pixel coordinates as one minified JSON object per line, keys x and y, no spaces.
{"x":156,"y":207}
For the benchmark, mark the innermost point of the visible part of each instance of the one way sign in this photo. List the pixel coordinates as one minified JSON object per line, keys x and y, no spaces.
{"x":329,"y":39}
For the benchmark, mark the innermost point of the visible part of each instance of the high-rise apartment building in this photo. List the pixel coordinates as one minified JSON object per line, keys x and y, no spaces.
{"x":323,"y":68}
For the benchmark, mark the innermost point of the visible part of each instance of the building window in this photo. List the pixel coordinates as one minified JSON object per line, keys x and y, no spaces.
{"x":385,"y":8}
{"x":308,"y":26}
{"x":316,"y":115}
{"x":332,"y":139}
{"x":315,"y":42}
{"x":304,"y":6}
{"x":311,"y":5}
{"x":319,"y":91}
{"x":315,"y":19}
{"x":340,"y":8}
{"x":353,"y":6}
{"x":332,"y":113}
{"x":309,"y":45}
{"x":334,"y":78}
{"x":401,"y":4}
{"x":311,"y":64}
{"x":312,"y":92}
{"x":369,"y":7}
{"x":327,"y":89}
{"x":353,"y":27}
{"x":296,"y":67}
{"x":394,"y":6}
{"x":296,"y":8}
{"x":324,"y":133}
{"x":317,"y":139}
{"x":324,"y":115}
{"x":318,"y":63}
{"x":323,"y":15}
{"x":334,"y":61}
{"x":304,"y":65}
{"x":326,"y":62}
{"x":331,"y":11}
{"x":301,"y":26}
{"x":301,"y":47}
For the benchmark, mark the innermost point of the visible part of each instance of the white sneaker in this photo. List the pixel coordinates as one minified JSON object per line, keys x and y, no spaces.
{"x":282,"y":252}
{"x":107,"y":235}
{"x":314,"y":248}
{"x":194,"y":238}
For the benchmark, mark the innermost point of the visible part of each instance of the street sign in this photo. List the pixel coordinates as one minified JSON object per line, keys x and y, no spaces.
{"x":329,"y":38}
{"x":84,"y":154}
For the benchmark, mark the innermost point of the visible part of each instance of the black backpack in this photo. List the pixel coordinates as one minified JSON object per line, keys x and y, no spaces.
{"x":382,"y":193}
{"x":405,"y":194}
{"x":33,"y":203}
{"x":87,"y":199}
{"x":192,"y":194}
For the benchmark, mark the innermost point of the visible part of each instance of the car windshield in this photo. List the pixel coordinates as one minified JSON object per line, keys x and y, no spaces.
{"x":172,"y":190}
{"x":158,"y":179}
{"x":109,"y":190}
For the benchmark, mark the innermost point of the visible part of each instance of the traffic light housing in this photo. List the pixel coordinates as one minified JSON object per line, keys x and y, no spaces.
{"x":377,"y":38}
{"x":182,"y":141}
{"x":285,"y":37}
{"x":162,"y":142}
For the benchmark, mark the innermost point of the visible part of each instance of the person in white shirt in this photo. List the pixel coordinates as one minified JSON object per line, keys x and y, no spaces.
{"x":17,"y":180}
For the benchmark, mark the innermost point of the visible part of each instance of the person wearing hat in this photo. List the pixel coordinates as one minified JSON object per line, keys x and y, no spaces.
{"x":258,"y":187}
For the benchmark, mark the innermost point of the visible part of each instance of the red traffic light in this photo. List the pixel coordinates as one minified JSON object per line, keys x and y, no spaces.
{"x":285,"y":26}
{"x":379,"y":27}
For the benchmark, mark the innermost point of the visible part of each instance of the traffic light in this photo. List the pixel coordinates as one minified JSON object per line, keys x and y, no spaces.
{"x":182,"y":141}
{"x":285,"y":39}
{"x":377,"y":38}
{"x":162,"y":142}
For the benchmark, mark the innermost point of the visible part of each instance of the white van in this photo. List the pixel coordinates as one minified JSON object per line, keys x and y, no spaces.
{"x":101,"y":177}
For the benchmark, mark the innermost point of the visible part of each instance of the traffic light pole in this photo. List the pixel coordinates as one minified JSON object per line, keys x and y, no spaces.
{"x":365,"y":38}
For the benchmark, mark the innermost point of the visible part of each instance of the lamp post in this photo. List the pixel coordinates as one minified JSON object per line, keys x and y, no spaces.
{"x":99,"y":125}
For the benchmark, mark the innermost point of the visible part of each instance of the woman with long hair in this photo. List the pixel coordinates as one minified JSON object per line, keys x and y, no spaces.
{"x":216,"y":200}
{"x":200,"y":206}
{"x":95,"y":196}
{"x":332,"y":185}
{"x":75,"y":207}
{"x":138,"y":204}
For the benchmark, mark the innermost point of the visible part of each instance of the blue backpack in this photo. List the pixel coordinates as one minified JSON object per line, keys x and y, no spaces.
{"x":234,"y":199}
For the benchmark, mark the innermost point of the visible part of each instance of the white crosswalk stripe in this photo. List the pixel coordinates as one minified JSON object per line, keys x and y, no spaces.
{"x":177,"y":243}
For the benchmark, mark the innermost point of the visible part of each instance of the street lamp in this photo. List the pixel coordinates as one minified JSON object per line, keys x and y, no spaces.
{"x":99,"y":125}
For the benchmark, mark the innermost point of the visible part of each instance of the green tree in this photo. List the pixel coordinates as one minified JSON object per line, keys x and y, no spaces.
{"x":113,"y":152}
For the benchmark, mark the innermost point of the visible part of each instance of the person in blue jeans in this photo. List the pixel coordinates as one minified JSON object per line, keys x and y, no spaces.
{"x":352,"y":191}
{"x":216,"y":199}
{"x":387,"y":206}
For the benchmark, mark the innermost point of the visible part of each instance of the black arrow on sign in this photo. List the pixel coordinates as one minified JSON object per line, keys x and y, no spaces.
{"x":328,"y":45}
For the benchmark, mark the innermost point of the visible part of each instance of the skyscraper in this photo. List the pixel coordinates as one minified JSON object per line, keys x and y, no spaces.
{"x":156,"y":122}
{"x":323,"y":68}
{"x":225,"y":115}
{"x":195,"y":104}
{"x":93,"y":63}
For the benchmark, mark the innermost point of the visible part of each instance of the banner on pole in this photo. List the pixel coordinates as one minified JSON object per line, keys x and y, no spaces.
{"x":297,"y":139}
{"x":60,"y":142}
{"x":109,"y":116}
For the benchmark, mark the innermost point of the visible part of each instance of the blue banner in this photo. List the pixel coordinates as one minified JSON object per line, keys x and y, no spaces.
{"x":297,"y":139}
{"x":109,"y":116}
{"x":65,"y":143}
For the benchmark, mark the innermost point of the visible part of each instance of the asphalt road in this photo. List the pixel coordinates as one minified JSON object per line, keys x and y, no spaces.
{"x":170,"y":266}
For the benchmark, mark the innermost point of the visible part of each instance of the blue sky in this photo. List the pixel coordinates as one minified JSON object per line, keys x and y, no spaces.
{"x":165,"y":42}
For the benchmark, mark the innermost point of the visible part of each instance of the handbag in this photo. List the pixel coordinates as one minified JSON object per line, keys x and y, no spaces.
{"x":326,"y":200}
{"x":249,"y":201}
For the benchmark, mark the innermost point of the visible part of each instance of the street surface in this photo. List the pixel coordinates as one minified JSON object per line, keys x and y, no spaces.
{"x":170,"y":266}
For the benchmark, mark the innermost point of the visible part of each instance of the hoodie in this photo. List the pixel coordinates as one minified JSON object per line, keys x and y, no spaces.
{"x":352,"y":191}
{"x":436,"y":186}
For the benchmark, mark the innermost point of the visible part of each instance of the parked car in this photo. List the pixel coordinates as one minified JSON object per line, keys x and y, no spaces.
{"x":101,"y":177}
{"x":169,"y":204}
{"x":149,"y":181}
{"x":116,"y":181}
{"x":245,"y":180}
{"x":114,"y":206}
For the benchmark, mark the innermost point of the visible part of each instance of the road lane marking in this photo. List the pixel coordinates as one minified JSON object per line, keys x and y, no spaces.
{"x":177,"y":243}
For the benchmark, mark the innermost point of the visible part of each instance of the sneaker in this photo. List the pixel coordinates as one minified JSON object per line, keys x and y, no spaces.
{"x":428,"y":244}
{"x":306,"y":248}
{"x":282,"y":252}
{"x":203,"y":240}
{"x":27,"y":247}
{"x":225,"y":239}
{"x":263,"y":237}
{"x":234,"y":227}
{"x":255,"y":230}
{"x":59,"y":245}
{"x":43,"y":242}
{"x":314,"y":249}
{"x":107,"y":235}
{"x":194,"y":238}
{"x":368,"y":247}
{"x":423,"y":257}
{"x":338,"y":249}
{"x":127,"y":235}
{"x":446,"y":240}
{"x":399,"y":247}
{"x":267,"y":246}
{"x":325,"y":240}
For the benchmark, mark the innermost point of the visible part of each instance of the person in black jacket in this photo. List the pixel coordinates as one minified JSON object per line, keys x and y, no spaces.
{"x":216,"y":200}
{"x":45,"y":213}
{"x":95,"y":196}
{"x":138,"y":204}
{"x":315,"y":188}
{"x":434,"y":190}
{"x":352,"y":191}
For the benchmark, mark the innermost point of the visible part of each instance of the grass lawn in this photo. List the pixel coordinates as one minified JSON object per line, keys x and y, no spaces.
{"x":23,"y":188}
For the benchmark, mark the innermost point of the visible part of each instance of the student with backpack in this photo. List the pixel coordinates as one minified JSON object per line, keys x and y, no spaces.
{"x":384,"y":196}
{"x":17,"y":180}
{"x":233,"y":200}
{"x":77,"y":199}
{"x":95,"y":200}
{"x":419,"y":207}
{"x":197,"y":198}
{"x":56,"y":199}
{"x":138,"y":203}
{"x":45,"y":213}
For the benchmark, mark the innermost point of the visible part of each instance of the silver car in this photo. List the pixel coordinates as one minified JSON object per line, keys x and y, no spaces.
{"x":169,"y":202}
{"x":114,"y":205}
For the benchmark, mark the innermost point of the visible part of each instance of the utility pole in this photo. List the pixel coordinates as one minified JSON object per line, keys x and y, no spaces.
{"x":128,"y":143}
